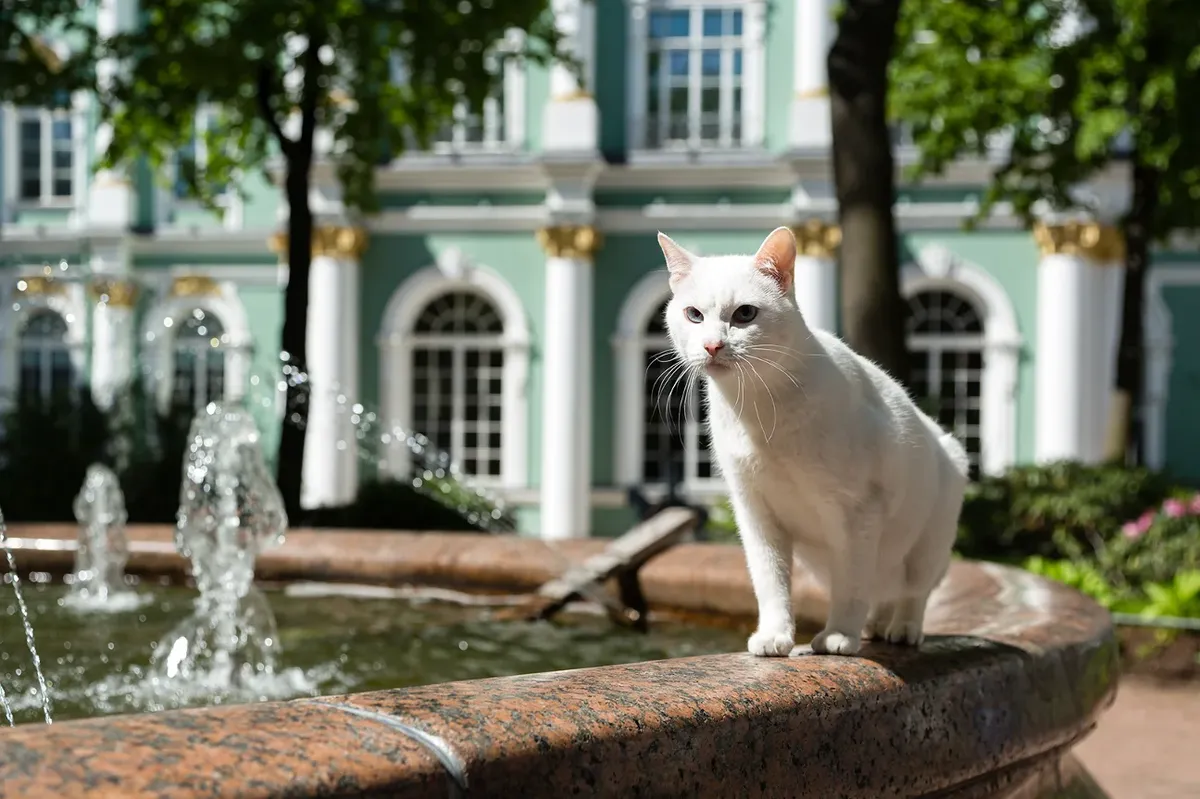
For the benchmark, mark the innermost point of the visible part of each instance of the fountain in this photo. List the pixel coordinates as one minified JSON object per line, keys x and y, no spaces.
{"x":230,"y":510}
{"x":98,"y":581}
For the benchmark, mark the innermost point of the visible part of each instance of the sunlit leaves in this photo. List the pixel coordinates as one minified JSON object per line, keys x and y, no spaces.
{"x":191,"y":52}
{"x":1066,"y":79}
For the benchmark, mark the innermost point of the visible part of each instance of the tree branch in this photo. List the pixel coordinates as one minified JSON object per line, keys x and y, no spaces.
{"x":266,"y":89}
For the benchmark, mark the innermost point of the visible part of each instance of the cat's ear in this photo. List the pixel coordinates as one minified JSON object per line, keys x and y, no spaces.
{"x":679,"y":260}
{"x":776,"y":258}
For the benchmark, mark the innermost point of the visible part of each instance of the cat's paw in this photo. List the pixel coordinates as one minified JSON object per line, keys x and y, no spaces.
{"x":904,"y":632}
{"x":830,"y":642}
{"x":771,"y":643}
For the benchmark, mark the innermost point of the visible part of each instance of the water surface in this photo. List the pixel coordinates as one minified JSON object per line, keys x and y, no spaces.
{"x":96,"y":662}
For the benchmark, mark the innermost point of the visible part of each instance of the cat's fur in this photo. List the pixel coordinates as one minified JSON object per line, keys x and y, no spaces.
{"x":827,"y":458}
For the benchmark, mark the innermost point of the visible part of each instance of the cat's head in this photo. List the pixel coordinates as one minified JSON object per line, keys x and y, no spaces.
{"x":727,"y":311}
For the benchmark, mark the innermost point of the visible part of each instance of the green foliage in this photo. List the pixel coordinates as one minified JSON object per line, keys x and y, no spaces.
{"x":721,"y":526}
{"x":1150,"y":567}
{"x":330,"y":62}
{"x":966,"y":72}
{"x":36,"y":72}
{"x":1059,"y":510}
{"x":392,"y":505}
{"x":48,"y":445}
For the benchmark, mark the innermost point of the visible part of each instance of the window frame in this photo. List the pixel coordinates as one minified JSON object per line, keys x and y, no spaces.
{"x":396,"y":348}
{"x":753,"y":121}
{"x":14,"y":117}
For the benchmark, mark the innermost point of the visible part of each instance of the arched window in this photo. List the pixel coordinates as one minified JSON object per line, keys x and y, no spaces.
{"x":674,"y":429}
{"x":198,"y":364}
{"x":458,"y":378}
{"x":46,"y":370}
{"x":946,"y":347}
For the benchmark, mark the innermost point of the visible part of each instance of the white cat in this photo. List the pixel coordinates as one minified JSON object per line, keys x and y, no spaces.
{"x":827,"y":458}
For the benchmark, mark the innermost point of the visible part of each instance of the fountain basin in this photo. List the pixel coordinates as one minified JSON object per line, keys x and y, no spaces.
{"x":1016,"y":670}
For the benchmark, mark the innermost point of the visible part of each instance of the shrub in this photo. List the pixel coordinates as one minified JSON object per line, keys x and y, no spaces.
{"x":1057,"y":510}
{"x":393,"y":505}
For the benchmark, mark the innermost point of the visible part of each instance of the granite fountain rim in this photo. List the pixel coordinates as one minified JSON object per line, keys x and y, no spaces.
{"x":1015,"y":671}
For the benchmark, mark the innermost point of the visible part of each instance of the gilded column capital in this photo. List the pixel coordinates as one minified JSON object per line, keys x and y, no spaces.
{"x":817,"y":239}
{"x":339,"y":241}
{"x":336,"y":241}
{"x":1102,"y":244}
{"x":114,"y":292}
{"x":194,"y":286}
{"x":38,"y":286}
{"x":570,"y":241}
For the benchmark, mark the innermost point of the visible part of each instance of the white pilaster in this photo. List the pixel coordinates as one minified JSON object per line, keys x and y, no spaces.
{"x":330,"y":444}
{"x":816,"y":278}
{"x":110,"y":196}
{"x":571,"y":120}
{"x":1076,"y":340}
{"x":813,"y":35}
{"x":567,"y":401}
{"x":112,"y":337}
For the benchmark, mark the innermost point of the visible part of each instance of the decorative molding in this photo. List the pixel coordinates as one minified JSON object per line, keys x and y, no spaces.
{"x":335,"y":241}
{"x":36,"y":286}
{"x":571,"y":96}
{"x":812,"y":94}
{"x":1099,"y":243}
{"x":396,"y":343}
{"x":570,"y":241}
{"x":117,"y":293}
{"x":937,"y":268}
{"x":195,"y":286}
{"x":817,"y":238}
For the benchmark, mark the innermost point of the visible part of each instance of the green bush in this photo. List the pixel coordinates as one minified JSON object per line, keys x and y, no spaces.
{"x":1059,"y":510}
{"x":393,"y":505}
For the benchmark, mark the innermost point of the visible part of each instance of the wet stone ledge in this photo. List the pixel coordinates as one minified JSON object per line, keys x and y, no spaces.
{"x":1014,"y":672}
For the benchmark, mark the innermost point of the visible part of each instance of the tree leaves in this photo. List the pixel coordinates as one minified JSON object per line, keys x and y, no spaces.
{"x":1070,"y":84}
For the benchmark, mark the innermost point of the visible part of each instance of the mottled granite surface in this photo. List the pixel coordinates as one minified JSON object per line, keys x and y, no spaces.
{"x":1015,"y":670}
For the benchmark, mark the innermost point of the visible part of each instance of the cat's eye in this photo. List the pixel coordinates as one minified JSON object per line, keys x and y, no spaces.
{"x":693,"y":315}
{"x":744,"y":314}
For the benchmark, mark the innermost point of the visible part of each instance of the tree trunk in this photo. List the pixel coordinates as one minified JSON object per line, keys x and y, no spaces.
{"x":864,"y":175}
{"x":1127,"y":411}
{"x":290,"y":463}
{"x":299,"y":155}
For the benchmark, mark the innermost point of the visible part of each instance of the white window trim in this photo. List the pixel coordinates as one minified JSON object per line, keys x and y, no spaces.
{"x":1160,"y":346}
{"x":70,"y":303}
{"x":754,"y":85}
{"x":514,"y":88}
{"x":938,"y":269}
{"x":168,"y":205}
{"x":452,"y":273}
{"x":158,"y":340}
{"x":629,"y":345}
{"x":11,"y":116}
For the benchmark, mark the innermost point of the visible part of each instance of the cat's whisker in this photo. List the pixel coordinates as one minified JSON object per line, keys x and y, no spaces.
{"x":770,"y":396}
{"x":774,"y":365}
{"x":777,"y":349}
{"x":683,"y":373}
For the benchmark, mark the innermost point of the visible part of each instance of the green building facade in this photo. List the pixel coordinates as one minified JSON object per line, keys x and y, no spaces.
{"x":505,"y":302}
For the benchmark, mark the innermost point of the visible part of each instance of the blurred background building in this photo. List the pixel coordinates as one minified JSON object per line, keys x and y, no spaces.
{"x":506,"y":301}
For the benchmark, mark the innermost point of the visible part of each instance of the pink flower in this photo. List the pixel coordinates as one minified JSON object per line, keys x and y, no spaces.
{"x":1194,"y":505}
{"x":1139,"y":526}
{"x":1174,"y":508}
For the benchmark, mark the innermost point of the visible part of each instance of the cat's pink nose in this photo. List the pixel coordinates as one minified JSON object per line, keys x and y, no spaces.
{"x":713,"y":347}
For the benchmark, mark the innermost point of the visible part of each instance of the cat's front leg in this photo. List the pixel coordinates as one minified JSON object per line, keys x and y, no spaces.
{"x":769,"y":559}
{"x":854,"y":551}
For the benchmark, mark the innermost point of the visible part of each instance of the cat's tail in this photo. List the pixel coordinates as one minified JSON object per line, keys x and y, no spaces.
{"x":957,"y":453}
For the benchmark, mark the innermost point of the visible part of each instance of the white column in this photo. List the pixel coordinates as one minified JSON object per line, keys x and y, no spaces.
{"x":110,"y":196}
{"x":1073,"y":381}
{"x":567,"y":379}
{"x":813,"y":35}
{"x":330,"y":445}
{"x":571,"y":120}
{"x":816,"y":277}
{"x":112,"y":336}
